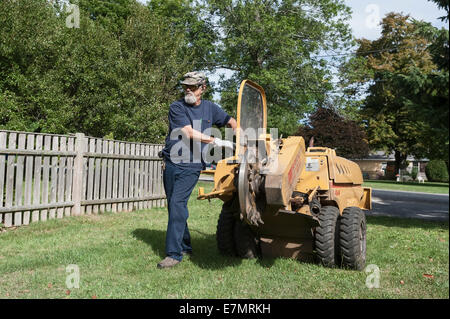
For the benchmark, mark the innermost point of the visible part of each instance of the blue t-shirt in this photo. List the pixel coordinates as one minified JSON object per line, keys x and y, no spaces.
{"x":188,"y":154}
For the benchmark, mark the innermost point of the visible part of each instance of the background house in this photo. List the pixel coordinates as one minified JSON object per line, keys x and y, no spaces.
{"x":379,"y":165}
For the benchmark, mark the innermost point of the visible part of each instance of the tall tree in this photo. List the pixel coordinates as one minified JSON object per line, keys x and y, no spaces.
{"x":427,"y":94}
{"x":390,"y":65}
{"x":273,"y":43}
{"x":194,"y":20}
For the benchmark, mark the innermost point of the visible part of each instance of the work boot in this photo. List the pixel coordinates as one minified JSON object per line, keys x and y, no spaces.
{"x":187,"y":253}
{"x":167,"y":262}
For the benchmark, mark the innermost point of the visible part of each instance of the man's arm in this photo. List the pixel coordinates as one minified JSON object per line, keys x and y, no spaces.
{"x":196,"y":135}
{"x":232,"y":123}
{"x":199,"y":136}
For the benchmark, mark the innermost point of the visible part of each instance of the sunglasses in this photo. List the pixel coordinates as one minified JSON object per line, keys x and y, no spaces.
{"x":190,"y":87}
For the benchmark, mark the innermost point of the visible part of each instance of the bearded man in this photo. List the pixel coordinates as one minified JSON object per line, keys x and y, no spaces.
{"x":182,"y":155}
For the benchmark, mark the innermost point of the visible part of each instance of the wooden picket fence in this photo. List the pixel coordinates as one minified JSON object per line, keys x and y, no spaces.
{"x":47,"y":176}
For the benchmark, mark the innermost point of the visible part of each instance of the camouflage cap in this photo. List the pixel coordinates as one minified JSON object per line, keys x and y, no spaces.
{"x":194,"y":78}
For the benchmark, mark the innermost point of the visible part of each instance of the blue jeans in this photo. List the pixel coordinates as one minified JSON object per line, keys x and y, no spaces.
{"x":178,"y":184}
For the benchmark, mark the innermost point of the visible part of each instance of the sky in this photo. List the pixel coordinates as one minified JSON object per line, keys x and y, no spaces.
{"x":366,"y":14}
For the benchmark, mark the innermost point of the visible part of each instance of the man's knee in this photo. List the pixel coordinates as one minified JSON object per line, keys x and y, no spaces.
{"x":176,"y":203}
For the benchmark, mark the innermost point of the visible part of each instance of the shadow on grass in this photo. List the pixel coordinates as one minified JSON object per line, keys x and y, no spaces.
{"x":206,"y":255}
{"x":268,"y":262}
{"x":406,"y":222}
{"x":208,"y":247}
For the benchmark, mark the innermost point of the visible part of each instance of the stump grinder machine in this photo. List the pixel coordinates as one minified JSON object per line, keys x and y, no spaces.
{"x":283,"y":200}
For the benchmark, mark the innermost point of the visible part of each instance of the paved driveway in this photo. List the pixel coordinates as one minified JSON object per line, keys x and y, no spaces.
{"x":409,"y":205}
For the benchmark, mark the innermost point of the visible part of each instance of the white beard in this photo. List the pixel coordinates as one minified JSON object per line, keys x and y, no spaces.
{"x":190,"y":98}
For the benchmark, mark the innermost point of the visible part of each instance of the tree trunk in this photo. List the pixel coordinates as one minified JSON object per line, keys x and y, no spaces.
{"x":400,"y":159}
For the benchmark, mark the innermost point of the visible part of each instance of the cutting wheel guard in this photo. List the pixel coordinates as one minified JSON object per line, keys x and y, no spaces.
{"x":251,"y":202}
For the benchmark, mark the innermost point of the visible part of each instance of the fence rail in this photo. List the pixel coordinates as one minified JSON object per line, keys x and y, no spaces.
{"x":46,"y":176}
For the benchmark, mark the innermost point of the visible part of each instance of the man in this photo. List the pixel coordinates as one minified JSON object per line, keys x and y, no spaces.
{"x":188,"y":119}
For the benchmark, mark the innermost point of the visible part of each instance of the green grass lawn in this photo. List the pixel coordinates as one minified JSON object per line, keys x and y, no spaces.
{"x":427,"y":187}
{"x":117,"y":255}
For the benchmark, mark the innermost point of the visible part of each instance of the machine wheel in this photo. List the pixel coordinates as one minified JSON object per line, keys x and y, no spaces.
{"x":225,"y":228}
{"x":245,"y":242}
{"x":326,"y":239}
{"x":353,"y":238}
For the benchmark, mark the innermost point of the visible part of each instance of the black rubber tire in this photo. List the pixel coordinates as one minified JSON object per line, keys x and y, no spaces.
{"x":326,"y":239}
{"x":352,"y":240}
{"x":245,"y":241}
{"x":225,"y":228}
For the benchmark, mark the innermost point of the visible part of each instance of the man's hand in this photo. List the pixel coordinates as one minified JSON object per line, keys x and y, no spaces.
{"x":222,"y":143}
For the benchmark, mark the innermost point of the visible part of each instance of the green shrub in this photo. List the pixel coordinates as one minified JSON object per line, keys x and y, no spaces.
{"x":436,"y":171}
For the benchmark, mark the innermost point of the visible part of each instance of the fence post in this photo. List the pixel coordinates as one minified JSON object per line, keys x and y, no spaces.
{"x":77,"y":181}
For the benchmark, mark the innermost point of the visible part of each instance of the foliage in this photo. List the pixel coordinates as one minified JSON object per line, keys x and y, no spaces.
{"x":330,"y":129}
{"x":436,"y":171}
{"x":273,"y":43}
{"x":427,"y":95}
{"x":194,"y":20}
{"x":111,"y":14}
{"x":88,"y":79}
{"x":406,"y":88}
{"x":26,"y":102}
